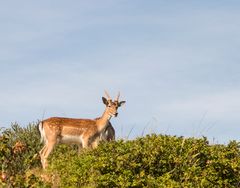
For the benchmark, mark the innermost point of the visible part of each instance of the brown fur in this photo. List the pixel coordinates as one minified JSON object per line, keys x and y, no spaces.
{"x":69,"y":126}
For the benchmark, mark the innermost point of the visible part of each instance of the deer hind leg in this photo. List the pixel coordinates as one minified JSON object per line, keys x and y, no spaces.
{"x":45,"y":152}
{"x":41,"y":153}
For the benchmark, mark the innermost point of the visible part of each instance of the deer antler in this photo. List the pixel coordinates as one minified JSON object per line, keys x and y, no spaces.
{"x":107,"y":95}
{"x":117,"y":98}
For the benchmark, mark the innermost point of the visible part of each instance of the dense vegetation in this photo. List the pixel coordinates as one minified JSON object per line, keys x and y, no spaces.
{"x":18,"y":155}
{"x":151,"y":161}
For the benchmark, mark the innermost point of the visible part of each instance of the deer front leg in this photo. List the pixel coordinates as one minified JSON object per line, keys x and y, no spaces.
{"x":79,"y":148}
{"x":85,"y":142}
{"x":95,"y":143}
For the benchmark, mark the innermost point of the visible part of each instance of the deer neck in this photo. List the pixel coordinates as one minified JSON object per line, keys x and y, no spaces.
{"x":103,"y":121}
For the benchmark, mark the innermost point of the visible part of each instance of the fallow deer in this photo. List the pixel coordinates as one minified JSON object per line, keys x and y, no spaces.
{"x":84,"y":132}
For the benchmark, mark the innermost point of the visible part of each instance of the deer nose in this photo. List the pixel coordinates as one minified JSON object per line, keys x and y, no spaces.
{"x":116,"y":114}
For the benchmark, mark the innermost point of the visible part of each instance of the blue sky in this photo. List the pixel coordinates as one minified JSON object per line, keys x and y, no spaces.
{"x":176,"y":64}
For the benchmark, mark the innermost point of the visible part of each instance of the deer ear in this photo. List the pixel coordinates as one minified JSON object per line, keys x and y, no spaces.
{"x":105,"y":101}
{"x":121,"y":103}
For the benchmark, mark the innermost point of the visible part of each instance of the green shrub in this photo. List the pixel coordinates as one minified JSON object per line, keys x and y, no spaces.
{"x":152,"y":161}
{"x":19,"y":149}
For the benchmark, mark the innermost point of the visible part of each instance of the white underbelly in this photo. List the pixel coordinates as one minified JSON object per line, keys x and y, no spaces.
{"x":71,"y":139}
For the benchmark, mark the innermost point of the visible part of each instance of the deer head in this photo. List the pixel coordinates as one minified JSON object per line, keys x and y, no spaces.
{"x":112,"y":106}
